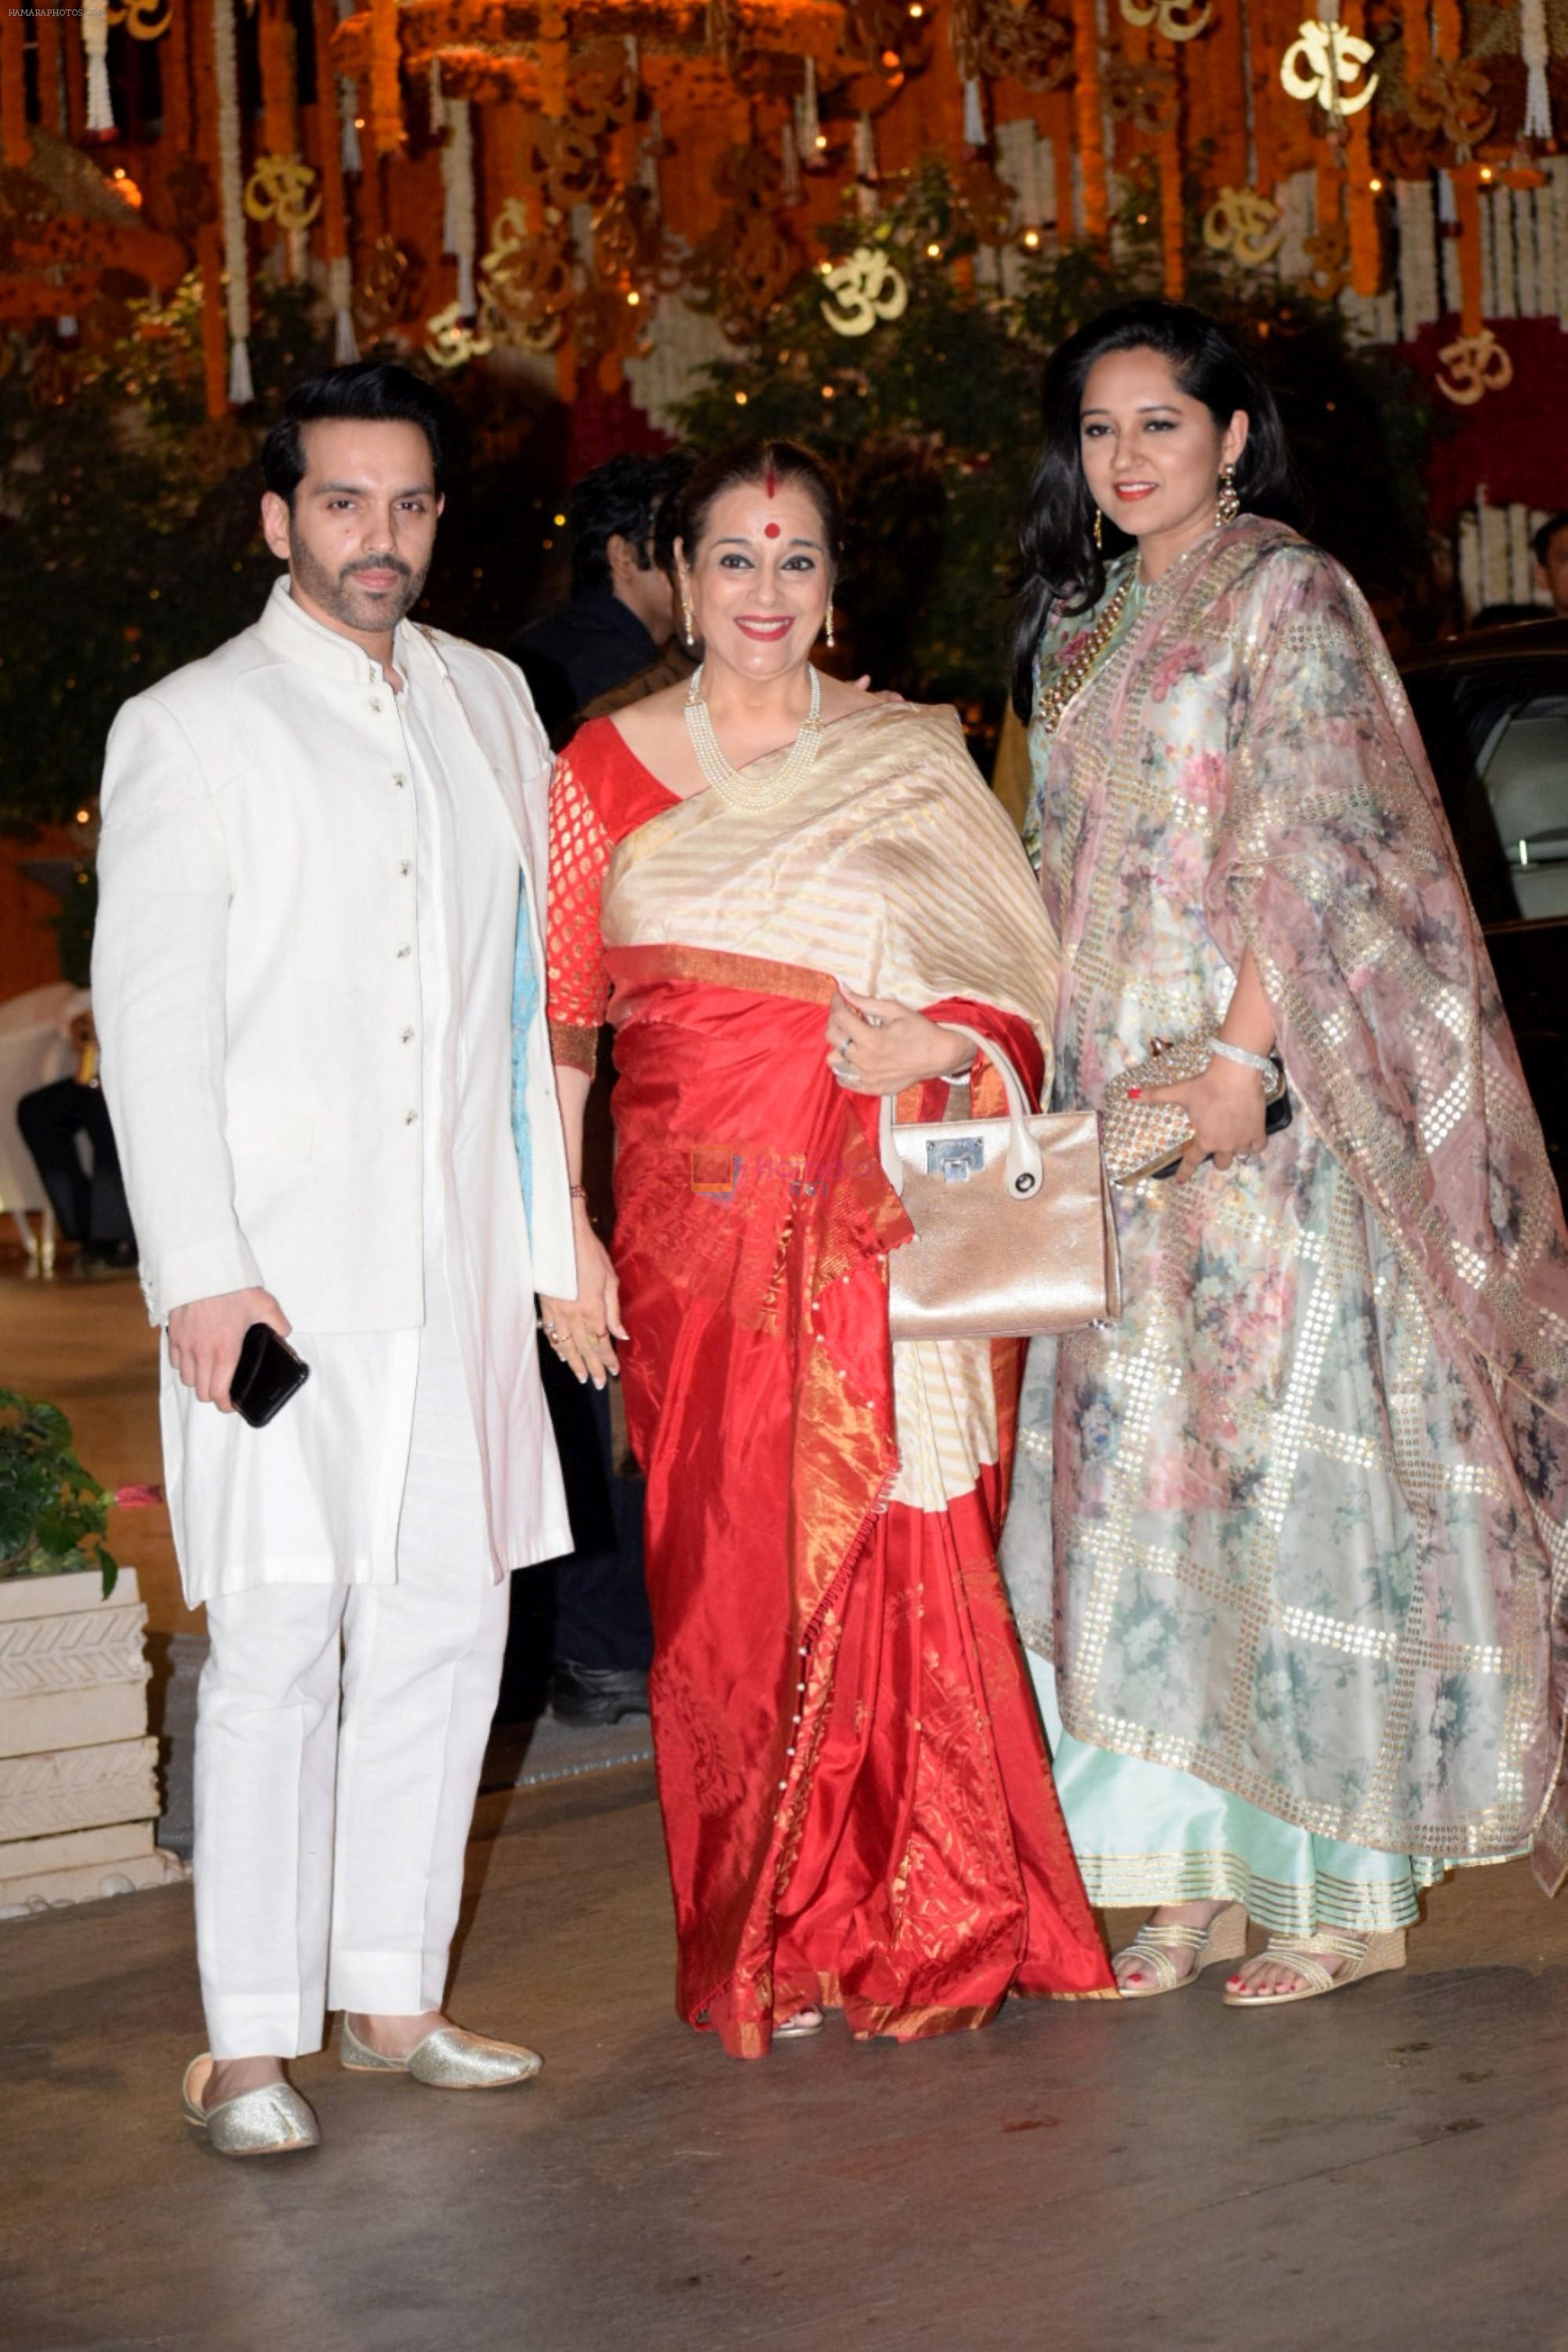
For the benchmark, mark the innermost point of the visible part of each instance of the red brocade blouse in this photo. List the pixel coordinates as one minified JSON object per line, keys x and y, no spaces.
{"x":586,"y":827}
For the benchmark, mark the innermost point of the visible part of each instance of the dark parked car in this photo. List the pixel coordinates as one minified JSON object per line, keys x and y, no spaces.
{"x":1492,"y":709}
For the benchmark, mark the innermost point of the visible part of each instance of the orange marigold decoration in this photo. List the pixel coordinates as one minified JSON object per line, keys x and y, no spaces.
{"x":1087,"y":121}
{"x":275,"y":48}
{"x":1467,"y":218}
{"x":1418,"y":40}
{"x":16,"y":140}
{"x":386,"y":131}
{"x":1360,"y":203}
{"x":175,"y":68}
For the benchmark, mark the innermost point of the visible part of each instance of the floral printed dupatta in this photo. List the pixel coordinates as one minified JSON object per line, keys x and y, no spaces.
{"x":1256,"y":684}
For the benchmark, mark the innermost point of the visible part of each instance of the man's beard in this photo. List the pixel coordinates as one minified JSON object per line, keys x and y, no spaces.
{"x":335,"y":591}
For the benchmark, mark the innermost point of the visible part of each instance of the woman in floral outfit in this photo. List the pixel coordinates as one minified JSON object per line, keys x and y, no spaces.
{"x":1303,"y":1594}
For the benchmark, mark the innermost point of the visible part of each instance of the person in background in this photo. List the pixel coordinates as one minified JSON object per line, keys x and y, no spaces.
{"x":596,"y":654}
{"x":89,"y":1203}
{"x":1551,"y":545}
{"x":622,"y":612}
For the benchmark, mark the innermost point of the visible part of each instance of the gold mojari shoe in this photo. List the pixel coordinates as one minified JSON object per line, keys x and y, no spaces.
{"x":1365,"y":1956}
{"x":447,"y":2060}
{"x":273,"y":2120}
{"x":1224,"y":1938}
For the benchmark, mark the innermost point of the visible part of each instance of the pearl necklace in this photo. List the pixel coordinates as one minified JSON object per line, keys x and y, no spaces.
{"x":1066,"y":683}
{"x":727,"y":781}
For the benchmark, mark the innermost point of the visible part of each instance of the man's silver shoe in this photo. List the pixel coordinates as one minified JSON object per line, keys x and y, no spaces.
{"x":271,"y":2121}
{"x":447,"y":2060}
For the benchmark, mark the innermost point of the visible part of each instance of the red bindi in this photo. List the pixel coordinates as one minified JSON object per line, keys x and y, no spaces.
{"x":771,"y":530}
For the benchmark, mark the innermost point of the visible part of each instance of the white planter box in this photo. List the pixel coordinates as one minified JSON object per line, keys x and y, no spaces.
{"x":78,"y":1791}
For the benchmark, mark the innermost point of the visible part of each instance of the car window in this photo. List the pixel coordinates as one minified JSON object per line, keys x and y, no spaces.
{"x":1497,"y":736}
{"x":1524,"y":766}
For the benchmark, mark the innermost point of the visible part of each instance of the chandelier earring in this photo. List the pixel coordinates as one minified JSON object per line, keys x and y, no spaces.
{"x":688,"y":617}
{"x":1227,"y":505}
{"x":1098,"y":530}
{"x":830,"y":623}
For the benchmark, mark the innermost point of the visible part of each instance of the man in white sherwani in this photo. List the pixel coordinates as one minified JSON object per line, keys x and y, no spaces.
{"x":319,"y":846}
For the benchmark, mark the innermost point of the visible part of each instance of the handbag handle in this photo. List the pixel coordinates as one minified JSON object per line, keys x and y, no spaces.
{"x":1025,"y":1169}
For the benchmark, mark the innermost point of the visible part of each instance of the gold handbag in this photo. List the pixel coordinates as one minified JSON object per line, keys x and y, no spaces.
{"x":1145,"y":1138}
{"x":1014,"y":1234}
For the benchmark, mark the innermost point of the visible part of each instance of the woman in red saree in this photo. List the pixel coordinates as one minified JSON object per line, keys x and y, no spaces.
{"x":857,"y":1800}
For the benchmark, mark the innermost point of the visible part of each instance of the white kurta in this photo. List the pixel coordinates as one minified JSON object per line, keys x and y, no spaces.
{"x":371,"y":1473}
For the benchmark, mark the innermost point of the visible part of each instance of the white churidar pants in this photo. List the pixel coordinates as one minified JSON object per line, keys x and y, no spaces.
{"x":342,"y":1728}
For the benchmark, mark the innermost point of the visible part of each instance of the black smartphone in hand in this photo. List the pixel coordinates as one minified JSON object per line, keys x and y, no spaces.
{"x":268,"y":1374}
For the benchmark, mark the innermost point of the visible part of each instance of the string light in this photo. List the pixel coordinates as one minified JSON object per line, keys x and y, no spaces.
{"x":1486,"y":171}
{"x":1031,"y":239}
{"x":633,"y":298}
{"x":933,"y":253}
{"x":1376,"y":187}
{"x":740,"y":400}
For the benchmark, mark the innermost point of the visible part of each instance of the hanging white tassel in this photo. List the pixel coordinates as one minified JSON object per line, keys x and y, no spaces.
{"x":865,"y":168}
{"x":348,"y":100}
{"x":1535,"y":50}
{"x":648,"y":158}
{"x":236,"y":261}
{"x":973,"y":113}
{"x":789,"y":163}
{"x":458,"y":232}
{"x":95,"y":42}
{"x":339,"y":294}
{"x":807,"y":123}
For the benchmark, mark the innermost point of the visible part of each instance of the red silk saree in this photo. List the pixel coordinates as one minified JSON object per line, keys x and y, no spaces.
{"x":857,"y":1800}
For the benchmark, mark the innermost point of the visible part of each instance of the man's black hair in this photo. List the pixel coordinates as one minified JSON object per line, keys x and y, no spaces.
{"x":1543,"y":537}
{"x":370,"y":392}
{"x":624,"y":498}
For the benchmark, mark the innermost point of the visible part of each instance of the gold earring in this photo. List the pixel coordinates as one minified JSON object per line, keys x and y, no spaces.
{"x":830,"y":621}
{"x":688,"y":617}
{"x":1227,"y":505}
{"x":1099,"y":529}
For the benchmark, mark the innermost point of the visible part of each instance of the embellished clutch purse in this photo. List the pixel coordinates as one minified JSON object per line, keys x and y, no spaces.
{"x":1147,"y":1139}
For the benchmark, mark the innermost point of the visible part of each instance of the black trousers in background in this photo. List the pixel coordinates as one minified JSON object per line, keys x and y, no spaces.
{"x":589,"y":1608}
{"x":87,"y":1208}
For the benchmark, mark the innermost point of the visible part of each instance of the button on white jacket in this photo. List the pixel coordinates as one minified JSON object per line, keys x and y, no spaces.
{"x":254,"y":968}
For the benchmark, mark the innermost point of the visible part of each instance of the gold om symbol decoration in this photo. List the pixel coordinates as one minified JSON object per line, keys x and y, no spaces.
{"x":1473,"y":366}
{"x":1455,"y":98}
{"x":279,"y":189}
{"x":528,"y":280}
{"x":1244,"y":225}
{"x":1322,"y":62}
{"x":452,"y":345}
{"x":1176,"y":20}
{"x":864,"y":289}
{"x":144,"y":20}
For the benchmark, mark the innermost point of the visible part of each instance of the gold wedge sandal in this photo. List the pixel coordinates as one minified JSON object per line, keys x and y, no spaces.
{"x":1224,"y":1938}
{"x":1366,"y":1956}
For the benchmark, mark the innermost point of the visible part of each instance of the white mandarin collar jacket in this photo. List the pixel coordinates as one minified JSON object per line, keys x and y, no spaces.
{"x":256,"y":976}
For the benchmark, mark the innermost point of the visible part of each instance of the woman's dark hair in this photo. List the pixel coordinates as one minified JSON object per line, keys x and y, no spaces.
{"x":370,"y":392}
{"x":748,"y":465}
{"x":1058,"y":555}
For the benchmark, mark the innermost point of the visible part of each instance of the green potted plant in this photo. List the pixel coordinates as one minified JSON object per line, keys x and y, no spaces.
{"x":53,"y":1514}
{"x":79,"y":1794}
